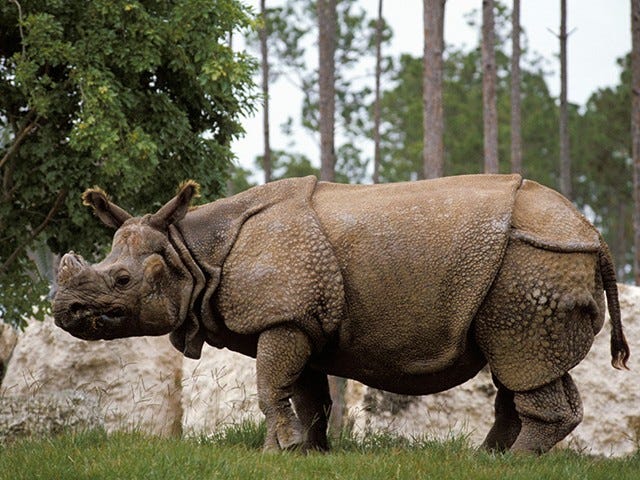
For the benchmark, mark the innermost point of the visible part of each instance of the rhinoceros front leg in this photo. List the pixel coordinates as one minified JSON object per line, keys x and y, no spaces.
{"x":282,"y":355}
{"x":312,"y":402}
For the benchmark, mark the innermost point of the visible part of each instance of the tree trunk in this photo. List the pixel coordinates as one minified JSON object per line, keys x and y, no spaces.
{"x":621,"y":235}
{"x":433,"y":118}
{"x":264,"y":51}
{"x":229,"y":189}
{"x":635,"y":131}
{"x":376,"y":108}
{"x":516,"y":137}
{"x":489,"y":80}
{"x":327,"y":24}
{"x":565,"y":159}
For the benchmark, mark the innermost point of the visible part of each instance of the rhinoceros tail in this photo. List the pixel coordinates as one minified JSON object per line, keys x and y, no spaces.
{"x":619,"y":347}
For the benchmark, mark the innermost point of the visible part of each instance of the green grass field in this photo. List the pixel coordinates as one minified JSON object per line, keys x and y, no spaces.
{"x":236,"y":454}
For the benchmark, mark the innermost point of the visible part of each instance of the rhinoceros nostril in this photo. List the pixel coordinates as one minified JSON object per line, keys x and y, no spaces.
{"x":117,"y":312}
{"x":75,"y":307}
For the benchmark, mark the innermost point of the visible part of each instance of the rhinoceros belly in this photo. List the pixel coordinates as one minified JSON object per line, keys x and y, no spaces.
{"x":400,"y":371}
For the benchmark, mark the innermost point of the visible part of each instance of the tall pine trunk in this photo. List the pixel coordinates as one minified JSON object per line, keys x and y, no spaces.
{"x":516,"y":116}
{"x":376,"y":109}
{"x":565,"y":159}
{"x":635,"y":131}
{"x":266,"y":156}
{"x":229,"y":190}
{"x":489,"y":80}
{"x":327,"y":24}
{"x":433,"y":117}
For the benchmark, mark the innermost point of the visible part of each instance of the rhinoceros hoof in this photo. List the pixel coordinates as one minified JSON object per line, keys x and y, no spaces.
{"x":285,"y":435}
{"x":290,"y":438}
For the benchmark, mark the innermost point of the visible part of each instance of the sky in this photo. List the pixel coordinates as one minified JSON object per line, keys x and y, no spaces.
{"x":600,"y":34}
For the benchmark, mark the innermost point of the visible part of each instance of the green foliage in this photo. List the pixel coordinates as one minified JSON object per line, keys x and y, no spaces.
{"x":463,"y":138}
{"x":289,"y":165}
{"x":239,"y":180}
{"x":601,"y":152}
{"x":462,"y":104}
{"x":135,"y":96}
{"x":98,"y":455}
{"x":292,"y":30}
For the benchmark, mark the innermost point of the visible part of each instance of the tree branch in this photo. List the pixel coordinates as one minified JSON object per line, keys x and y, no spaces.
{"x":54,"y":209}
{"x":20,"y":25}
{"x":20,"y":137}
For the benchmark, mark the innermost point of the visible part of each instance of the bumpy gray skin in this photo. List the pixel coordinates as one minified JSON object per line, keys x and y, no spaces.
{"x":411,"y":288}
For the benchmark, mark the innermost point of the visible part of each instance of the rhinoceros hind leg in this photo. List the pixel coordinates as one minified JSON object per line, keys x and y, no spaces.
{"x":507,"y":424}
{"x":281,"y":358}
{"x":548,"y":414}
{"x":312,"y":403}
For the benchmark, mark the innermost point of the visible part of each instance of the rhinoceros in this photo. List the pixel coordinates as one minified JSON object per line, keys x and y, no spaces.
{"x":408,"y":287}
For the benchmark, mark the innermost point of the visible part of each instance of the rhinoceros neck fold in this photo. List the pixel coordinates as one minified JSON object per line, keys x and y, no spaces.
{"x":208,"y":233}
{"x":189,"y":337}
{"x":187,"y":259}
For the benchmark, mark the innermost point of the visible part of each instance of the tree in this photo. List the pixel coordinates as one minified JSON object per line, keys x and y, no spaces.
{"x":565,"y":158}
{"x":326,"y":86}
{"x":134,"y":96}
{"x":489,"y":80}
{"x":264,"y":56}
{"x":293,"y":30}
{"x":516,"y":137}
{"x":600,"y":134}
{"x":327,"y":26}
{"x":239,"y":180}
{"x":376,"y":107}
{"x":402,"y":133}
{"x":433,"y":118}
{"x":601,"y":147}
{"x":290,"y":165}
{"x":635,"y":131}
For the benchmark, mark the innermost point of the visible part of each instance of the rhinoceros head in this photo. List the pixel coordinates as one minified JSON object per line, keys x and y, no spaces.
{"x":140,"y":288}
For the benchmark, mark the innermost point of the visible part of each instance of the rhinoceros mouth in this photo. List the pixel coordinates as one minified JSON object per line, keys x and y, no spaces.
{"x":91,"y":324}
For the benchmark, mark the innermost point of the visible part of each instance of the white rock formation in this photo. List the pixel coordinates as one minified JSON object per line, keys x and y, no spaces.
{"x":611,"y":398}
{"x":8,"y":340}
{"x":118,"y":384}
{"x":218,"y":390}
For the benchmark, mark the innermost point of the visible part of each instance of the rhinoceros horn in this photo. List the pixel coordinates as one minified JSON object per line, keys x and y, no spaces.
{"x":70,"y":265}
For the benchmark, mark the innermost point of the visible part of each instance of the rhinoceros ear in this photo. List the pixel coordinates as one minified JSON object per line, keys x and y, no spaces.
{"x":109,"y":213}
{"x":176,"y":208}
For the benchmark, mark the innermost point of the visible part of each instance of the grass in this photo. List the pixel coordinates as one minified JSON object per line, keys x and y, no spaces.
{"x":236,"y":454}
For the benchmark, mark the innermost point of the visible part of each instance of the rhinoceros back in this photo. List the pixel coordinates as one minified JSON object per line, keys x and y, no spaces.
{"x":417,"y":259}
{"x":545,"y":219}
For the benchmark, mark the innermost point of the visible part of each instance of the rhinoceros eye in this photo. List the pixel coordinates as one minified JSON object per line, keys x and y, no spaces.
{"x":122,"y":279}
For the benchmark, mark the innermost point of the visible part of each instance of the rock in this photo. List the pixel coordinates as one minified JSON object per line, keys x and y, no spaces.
{"x":611,"y":424}
{"x":464,"y":410}
{"x":55,"y":379}
{"x":8,"y":340}
{"x":218,"y":390}
{"x":47,"y":413}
